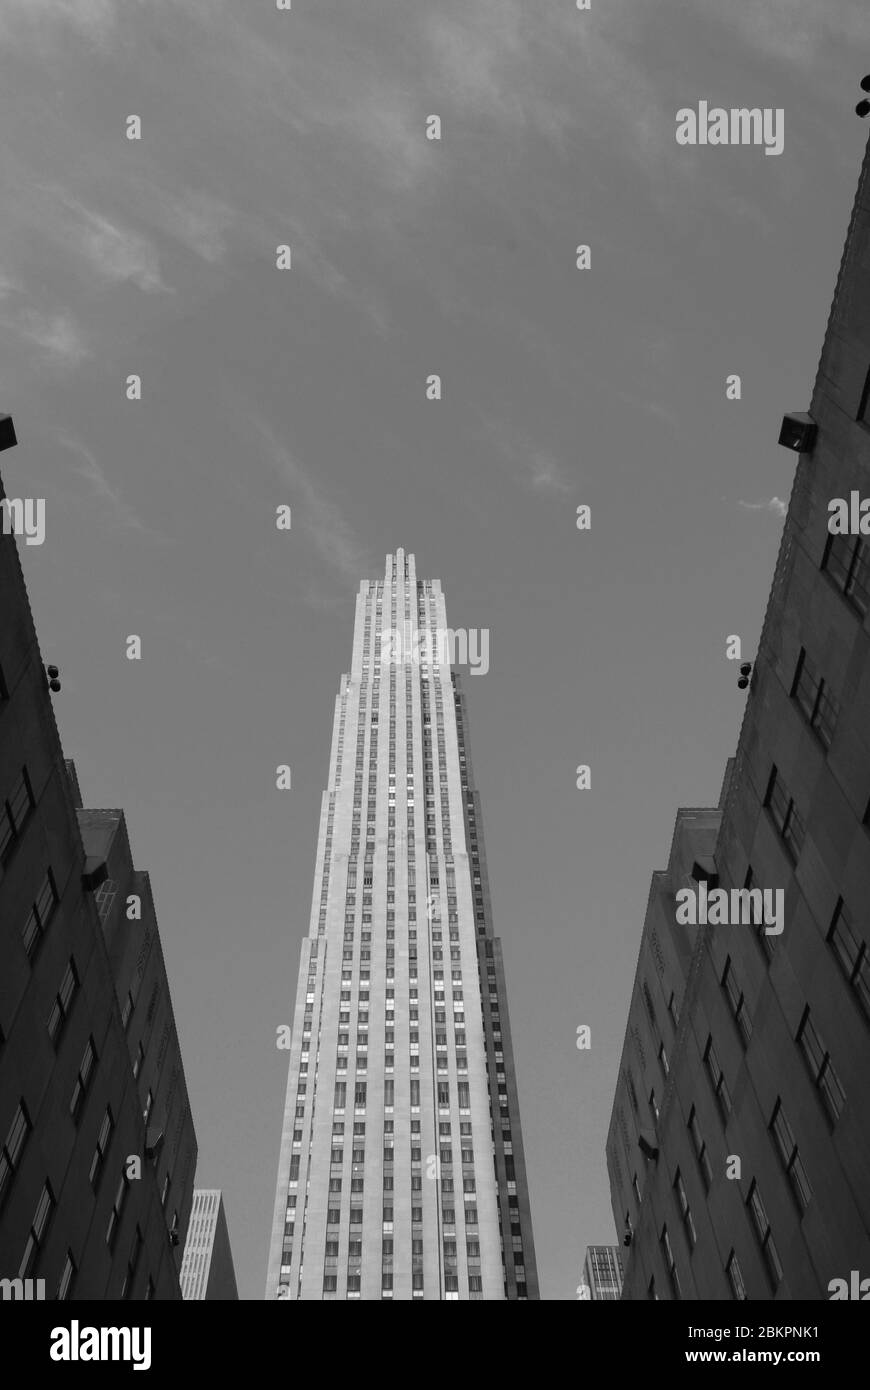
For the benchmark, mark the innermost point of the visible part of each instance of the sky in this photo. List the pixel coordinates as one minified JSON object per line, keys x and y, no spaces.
{"x":306,"y":387}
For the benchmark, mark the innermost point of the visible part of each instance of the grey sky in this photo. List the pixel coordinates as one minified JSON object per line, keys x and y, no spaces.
{"x":306,"y":387}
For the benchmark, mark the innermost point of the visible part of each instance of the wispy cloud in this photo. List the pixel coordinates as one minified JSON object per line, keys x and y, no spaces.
{"x":320,"y":517}
{"x":197,"y":219}
{"x":120,"y":512}
{"x":535,"y":466}
{"x":776,"y":506}
{"x":57,"y":334}
{"x":34,"y":18}
{"x":113,"y":252}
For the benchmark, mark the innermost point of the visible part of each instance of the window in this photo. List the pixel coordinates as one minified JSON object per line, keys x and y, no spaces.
{"x":700,"y":1149}
{"x":63,"y":1003}
{"x":851,"y":952}
{"x":127,"y":1011}
{"x":38,"y":1229}
{"x":647,"y":999}
{"x":821,"y":1069}
{"x":117,"y":1211}
{"x":11,"y":1151}
{"x":104,"y":1139}
{"x":763,"y":1232}
{"x":861,"y":417}
{"x":80,"y":1089}
{"x":782,"y":812}
{"x":674,"y":1011}
{"x":735,"y":1278}
{"x":684,"y":1209}
{"x":670,"y":1262}
{"x":737,"y":1002}
{"x":811,"y":694}
{"x":68,"y":1274}
{"x":13,"y":816}
{"x":847,"y":563}
{"x":790,"y":1158}
{"x":717,"y":1079}
{"x":132,"y":1264}
{"x":39,"y":916}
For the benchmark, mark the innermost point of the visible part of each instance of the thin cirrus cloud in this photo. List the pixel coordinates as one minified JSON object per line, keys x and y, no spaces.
{"x":321,"y":518}
{"x":57,"y":335}
{"x":775,"y":506}
{"x":32,"y":19}
{"x":535,"y":467}
{"x":120,"y":512}
{"x":112,"y":252}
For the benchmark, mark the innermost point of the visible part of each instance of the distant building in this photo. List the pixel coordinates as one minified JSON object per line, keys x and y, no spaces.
{"x":739,"y":1140}
{"x":207,"y":1270}
{"x":602,"y":1273}
{"x":91,"y":1081}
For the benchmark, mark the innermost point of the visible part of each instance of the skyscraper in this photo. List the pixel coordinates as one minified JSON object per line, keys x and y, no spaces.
{"x":738,"y":1145}
{"x":602,"y":1274}
{"x":207,"y":1272}
{"x":401,"y":1172}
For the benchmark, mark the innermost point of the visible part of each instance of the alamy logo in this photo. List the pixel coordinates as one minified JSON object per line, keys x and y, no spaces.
{"x":739,"y":126}
{"x":838,"y":1288}
{"x":23,"y":1290}
{"x":457,"y":647}
{"x":75,"y":1343}
{"x":741,"y":907}
{"x":23,"y":516}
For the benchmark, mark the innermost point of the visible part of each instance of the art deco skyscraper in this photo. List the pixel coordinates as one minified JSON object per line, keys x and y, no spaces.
{"x":401,"y":1172}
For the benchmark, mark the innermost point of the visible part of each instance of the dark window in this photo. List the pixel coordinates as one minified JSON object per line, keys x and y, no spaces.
{"x":38,"y":1230}
{"x":63,"y":1003}
{"x":821,"y":1068}
{"x":39,"y":916}
{"x":791,"y":1160}
{"x":812,"y":695}
{"x":764,"y":1234}
{"x":784,"y":815}
{"x":132,"y":1265}
{"x":684,"y":1209}
{"x":847,"y":561}
{"x":861,"y":417}
{"x":117,"y":1211}
{"x":737,"y":1003}
{"x":851,"y":952}
{"x":80,"y":1089}
{"x":700,"y":1149}
{"x":67,"y":1277}
{"x":104,"y":1139}
{"x":735,"y":1278}
{"x":10,"y":1153}
{"x":670,"y":1262}
{"x":13,"y":816}
{"x":717,"y":1079}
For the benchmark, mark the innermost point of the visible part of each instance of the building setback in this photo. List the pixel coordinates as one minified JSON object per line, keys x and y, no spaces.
{"x":207,"y":1271}
{"x":602,"y":1273}
{"x":739,"y":1145}
{"x":401,"y":1172}
{"x":90,"y":1068}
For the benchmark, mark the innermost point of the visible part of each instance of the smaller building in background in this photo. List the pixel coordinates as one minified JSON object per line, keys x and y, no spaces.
{"x":602,"y":1273}
{"x":207,"y":1269}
